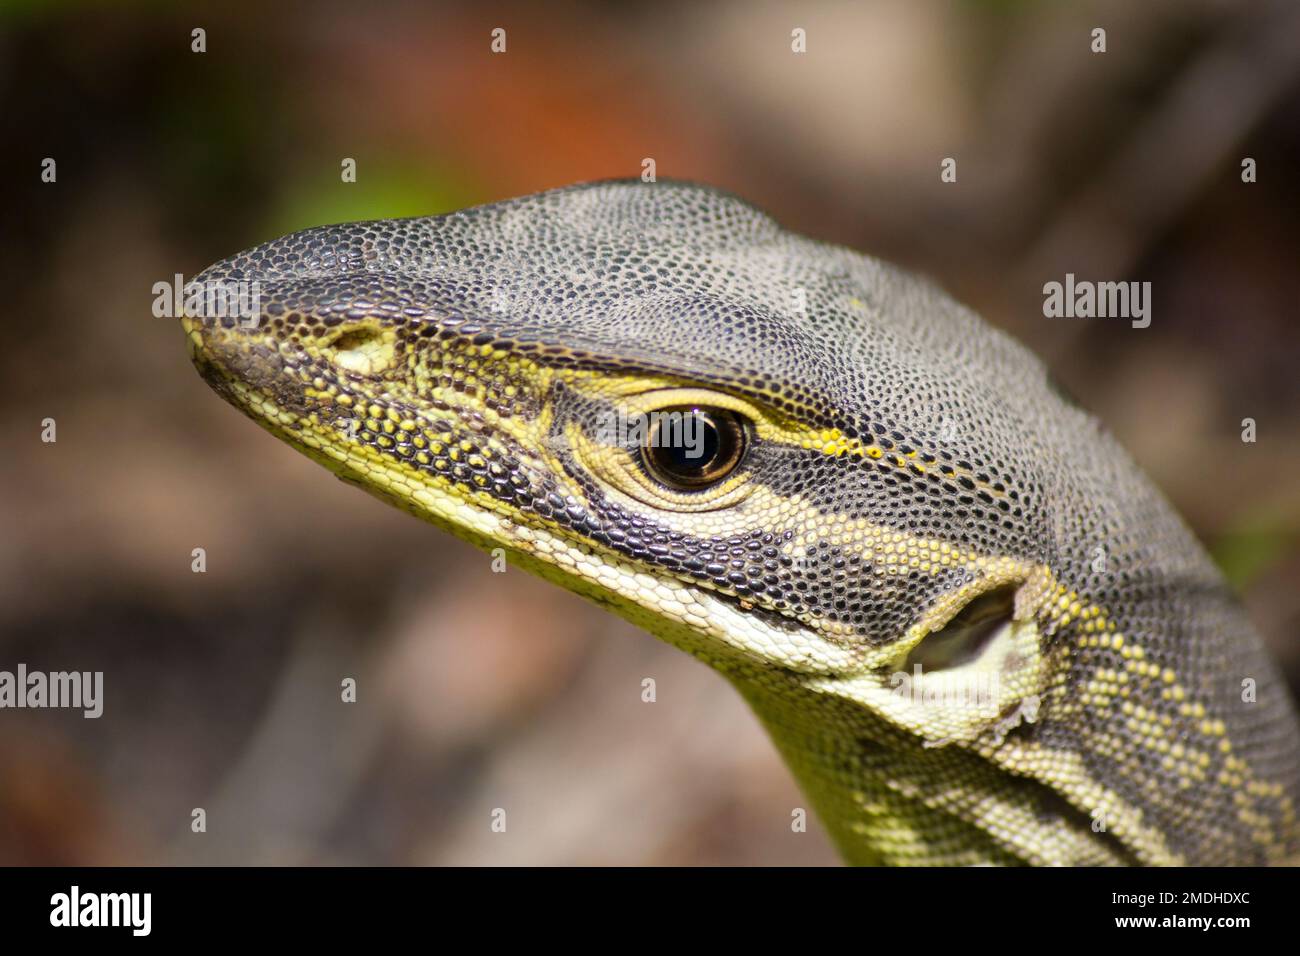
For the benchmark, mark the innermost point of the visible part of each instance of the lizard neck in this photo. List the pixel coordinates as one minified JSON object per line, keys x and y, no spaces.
{"x":886,"y":799}
{"x":863,"y":791}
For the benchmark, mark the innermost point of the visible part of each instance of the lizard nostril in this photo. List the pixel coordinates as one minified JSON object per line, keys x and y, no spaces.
{"x":355,"y":339}
{"x":363,"y":349}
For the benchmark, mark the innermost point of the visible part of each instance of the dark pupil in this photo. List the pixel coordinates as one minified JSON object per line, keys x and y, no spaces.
{"x":684,"y":457}
{"x":696,"y":449}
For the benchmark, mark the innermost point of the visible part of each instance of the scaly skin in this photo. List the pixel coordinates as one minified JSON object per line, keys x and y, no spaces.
{"x":906,"y":471}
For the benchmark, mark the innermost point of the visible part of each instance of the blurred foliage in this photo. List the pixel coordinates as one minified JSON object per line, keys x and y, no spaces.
{"x":1249,"y":550}
{"x":382,"y":193}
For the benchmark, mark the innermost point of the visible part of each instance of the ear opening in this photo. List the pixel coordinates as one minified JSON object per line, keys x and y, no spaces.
{"x":967,"y":633}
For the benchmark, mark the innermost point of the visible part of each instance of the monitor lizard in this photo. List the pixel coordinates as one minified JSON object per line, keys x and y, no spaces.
{"x":975,"y":631}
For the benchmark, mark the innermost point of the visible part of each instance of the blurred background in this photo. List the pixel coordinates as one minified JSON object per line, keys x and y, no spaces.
{"x":478,"y":692}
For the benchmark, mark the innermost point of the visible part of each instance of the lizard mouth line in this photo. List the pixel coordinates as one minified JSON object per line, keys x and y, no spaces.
{"x":475,"y":516}
{"x":268,"y":407}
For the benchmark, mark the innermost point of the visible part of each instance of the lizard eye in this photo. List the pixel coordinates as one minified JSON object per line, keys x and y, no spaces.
{"x":693,"y":447}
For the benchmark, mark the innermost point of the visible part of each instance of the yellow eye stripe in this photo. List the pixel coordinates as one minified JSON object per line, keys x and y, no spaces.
{"x":639,"y":394}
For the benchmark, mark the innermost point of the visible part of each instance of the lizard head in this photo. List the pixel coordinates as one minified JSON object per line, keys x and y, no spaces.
{"x":650,"y":388}
{"x":801,"y":465}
